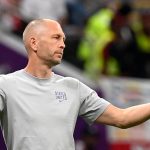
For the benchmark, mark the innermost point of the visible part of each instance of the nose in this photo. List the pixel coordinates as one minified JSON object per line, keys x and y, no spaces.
{"x":62,"y":45}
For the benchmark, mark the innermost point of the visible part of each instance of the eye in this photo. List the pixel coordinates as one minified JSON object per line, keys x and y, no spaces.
{"x":59,"y":37}
{"x":56,"y":37}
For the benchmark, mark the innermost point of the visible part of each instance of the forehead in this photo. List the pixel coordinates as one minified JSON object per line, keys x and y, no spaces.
{"x":53,"y":28}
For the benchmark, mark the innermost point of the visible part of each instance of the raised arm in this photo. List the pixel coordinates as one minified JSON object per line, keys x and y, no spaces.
{"x":125,"y":118}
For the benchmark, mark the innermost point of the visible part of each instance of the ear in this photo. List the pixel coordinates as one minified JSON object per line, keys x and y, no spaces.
{"x":33,"y":44}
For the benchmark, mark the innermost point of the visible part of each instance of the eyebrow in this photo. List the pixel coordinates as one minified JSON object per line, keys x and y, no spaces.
{"x":57,"y":34}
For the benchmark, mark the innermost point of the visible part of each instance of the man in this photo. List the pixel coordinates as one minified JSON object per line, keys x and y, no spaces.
{"x":39,"y":108}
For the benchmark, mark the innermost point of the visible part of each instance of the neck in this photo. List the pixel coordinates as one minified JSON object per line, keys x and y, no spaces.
{"x":38,"y":70}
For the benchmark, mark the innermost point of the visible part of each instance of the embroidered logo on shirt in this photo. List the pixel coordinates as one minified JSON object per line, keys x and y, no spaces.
{"x":61,"y":96}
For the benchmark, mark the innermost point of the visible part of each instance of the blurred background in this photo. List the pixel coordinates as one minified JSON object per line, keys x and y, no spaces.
{"x":107,"y":48}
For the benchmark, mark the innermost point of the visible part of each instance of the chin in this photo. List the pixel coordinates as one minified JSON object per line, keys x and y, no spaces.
{"x":54,"y":63}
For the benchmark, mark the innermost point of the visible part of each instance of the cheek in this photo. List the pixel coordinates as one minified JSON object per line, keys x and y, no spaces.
{"x":50,"y":49}
{"x":46,"y":49}
{"x":43,"y":49}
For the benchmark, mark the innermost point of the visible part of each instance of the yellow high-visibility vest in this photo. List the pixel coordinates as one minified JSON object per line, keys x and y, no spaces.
{"x":97,"y":35}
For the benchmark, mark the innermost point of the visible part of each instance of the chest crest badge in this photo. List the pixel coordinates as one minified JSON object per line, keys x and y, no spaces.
{"x":60,"y":96}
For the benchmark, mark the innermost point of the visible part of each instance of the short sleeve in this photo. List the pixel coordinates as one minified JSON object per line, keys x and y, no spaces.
{"x":1,"y":103}
{"x":92,"y":106}
{"x":2,"y":95}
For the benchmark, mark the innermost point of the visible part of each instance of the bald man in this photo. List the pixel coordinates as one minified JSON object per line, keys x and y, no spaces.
{"x":39,"y":108}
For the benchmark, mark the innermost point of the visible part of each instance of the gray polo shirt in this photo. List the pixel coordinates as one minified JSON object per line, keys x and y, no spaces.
{"x":40,"y":114}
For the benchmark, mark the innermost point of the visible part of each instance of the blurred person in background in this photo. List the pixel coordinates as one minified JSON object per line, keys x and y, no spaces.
{"x":10,"y":17}
{"x":97,"y":34}
{"x":123,"y":49}
{"x":39,"y":108}
{"x":110,"y":46}
{"x":51,"y":9}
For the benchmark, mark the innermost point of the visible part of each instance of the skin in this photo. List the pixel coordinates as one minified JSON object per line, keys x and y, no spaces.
{"x":44,"y":41}
{"x":125,"y":118}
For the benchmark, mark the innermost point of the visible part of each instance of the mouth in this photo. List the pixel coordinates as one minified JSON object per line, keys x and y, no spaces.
{"x":59,"y":54}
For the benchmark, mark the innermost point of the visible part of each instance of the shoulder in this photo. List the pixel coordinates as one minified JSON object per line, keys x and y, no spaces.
{"x":7,"y":78}
{"x":8,"y":82}
{"x":4,"y":77}
{"x":2,"y":80}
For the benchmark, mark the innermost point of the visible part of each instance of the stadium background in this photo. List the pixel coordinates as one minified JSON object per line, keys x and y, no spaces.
{"x":122,"y":90}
